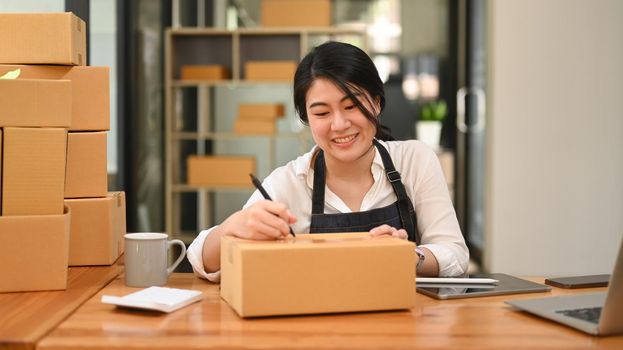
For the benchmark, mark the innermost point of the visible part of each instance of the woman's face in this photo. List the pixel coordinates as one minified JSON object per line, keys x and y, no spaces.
{"x":338,"y":127}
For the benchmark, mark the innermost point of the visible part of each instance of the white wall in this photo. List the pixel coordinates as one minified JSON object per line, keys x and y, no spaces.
{"x":32,"y":6}
{"x":555,"y":136}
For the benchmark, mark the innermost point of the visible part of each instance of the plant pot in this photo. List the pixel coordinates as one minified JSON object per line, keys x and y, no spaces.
{"x":428,"y":132}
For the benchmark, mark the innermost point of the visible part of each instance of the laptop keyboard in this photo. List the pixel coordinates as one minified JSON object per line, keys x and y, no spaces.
{"x":590,"y":314}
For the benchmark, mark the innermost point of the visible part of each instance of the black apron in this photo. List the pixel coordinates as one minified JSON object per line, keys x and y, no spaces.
{"x":400,"y":214}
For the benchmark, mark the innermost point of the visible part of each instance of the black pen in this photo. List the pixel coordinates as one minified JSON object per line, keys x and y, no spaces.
{"x":260,"y":188}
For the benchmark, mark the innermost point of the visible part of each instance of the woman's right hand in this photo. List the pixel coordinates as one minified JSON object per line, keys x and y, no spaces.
{"x":263,"y":220}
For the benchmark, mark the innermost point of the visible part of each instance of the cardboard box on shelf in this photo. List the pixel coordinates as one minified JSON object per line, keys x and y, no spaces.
{"x":263,"y":111}
{"x":90,"y":92}
{"x":35,"y":103}
{"x":87,"y":174}
{"x":270,"y":70}
{"x":33,"y":171}
{"x":324,"y":273}
{"x":42,"y":38}
{"x":227,"y":171}
{"x":296,"y":13}
{"x":34,"y":251}
{"x":97,"y":229}
{"x":247,"y":126}
{"x":205,"y":72}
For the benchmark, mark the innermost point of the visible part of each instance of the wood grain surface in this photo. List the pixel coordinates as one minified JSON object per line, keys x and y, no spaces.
{"x":26,"y":317}
{"x":477,"y":323}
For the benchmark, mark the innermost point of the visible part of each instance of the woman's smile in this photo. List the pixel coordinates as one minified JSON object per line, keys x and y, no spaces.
{"x":345,"y":140}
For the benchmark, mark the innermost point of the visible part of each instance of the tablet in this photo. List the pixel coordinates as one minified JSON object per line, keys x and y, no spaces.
{"x":588,"y":281}
{"x":507,"y":285}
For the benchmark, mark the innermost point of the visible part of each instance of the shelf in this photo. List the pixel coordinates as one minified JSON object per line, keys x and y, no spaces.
{"x":202,"y":110}
{"x":192,"y":136}
{"x":224,"y":83}
{"x":267,"y":31}
{"x":182,"y":188}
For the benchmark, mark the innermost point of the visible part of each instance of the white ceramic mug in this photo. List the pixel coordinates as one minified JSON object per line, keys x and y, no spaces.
{"x":146,"y":258}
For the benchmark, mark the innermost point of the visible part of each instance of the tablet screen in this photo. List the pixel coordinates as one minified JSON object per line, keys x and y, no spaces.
{"x":507,"y":285}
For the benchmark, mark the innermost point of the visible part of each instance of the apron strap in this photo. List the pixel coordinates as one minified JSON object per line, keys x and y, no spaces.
{"x":405,"y":207}
{"x":319,"y":182}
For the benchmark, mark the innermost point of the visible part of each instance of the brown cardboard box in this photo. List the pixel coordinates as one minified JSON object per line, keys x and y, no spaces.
{"x":205,"y":72}
{"x":97,"y":229}
{"x":318,"y":273}
{"x":87,"y":174}
{"x":35,"y":103}
{"x":296,"y":13}
{"x":34,"y":252}
{"x":246,"y":126}
{"x":270,"y":70}
{"x":42,"y":38}
{"x":33,"y":171}
{"x":231,"y":171}
{"x":90,"y":92}
{"x":264,"y":111}
{"x":1,"y":171}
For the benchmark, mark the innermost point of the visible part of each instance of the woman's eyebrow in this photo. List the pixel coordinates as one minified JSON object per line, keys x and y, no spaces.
{"x":315,"y":104}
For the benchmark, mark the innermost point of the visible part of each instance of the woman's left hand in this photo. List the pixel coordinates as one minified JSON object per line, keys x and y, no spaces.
{"x":386,"y":230}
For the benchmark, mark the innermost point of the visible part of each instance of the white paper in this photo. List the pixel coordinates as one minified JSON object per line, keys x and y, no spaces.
{"x":156,"y":298}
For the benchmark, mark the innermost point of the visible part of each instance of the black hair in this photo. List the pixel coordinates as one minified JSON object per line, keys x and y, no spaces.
{"x":351,"y":70}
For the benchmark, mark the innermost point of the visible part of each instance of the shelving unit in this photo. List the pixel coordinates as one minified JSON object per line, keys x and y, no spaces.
{"x":199,"y":114}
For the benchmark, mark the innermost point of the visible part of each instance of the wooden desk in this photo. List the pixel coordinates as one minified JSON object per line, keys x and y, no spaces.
{"x":27,"y":317}
{"x":478,"y":323}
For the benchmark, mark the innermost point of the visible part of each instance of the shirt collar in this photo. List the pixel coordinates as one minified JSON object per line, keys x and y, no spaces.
{"x":305,"y":169}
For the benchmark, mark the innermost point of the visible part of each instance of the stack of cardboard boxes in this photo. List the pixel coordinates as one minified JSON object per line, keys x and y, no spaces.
{"x":54,"y":116}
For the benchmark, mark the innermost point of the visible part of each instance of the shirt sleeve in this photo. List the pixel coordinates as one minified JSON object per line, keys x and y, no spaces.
{"x":437,"y":222}
{"x":195,"y":250}
{"x":195,"y":257}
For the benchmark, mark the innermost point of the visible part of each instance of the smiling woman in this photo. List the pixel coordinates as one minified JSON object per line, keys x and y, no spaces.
{"x":353,"y":180}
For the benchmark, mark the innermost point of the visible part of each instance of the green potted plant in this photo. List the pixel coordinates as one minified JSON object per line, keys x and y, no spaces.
{"x":428,"y":126}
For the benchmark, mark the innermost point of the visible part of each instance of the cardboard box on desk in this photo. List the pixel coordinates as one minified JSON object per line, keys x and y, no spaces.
{"x":42,"y":38}
{"x":296,"y":13}
{"x":317,"y":273}
{"x":34,"y":252}
{"x":90,"y":96}
{"x":35,"y":103}
{"x":33,"y":170}
{"x":227,"y":171}
{"x":97,"y":229}
{"x":87,"y":174}
{"x":270,"y":70}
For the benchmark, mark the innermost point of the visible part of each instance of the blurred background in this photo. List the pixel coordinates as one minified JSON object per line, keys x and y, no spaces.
{"x":522,"y":101}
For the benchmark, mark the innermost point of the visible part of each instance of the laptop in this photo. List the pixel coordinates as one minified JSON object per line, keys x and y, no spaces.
{"x":598,"y":313}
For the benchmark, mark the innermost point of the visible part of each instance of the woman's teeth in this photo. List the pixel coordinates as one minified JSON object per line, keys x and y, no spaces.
{"x":344,"y":139}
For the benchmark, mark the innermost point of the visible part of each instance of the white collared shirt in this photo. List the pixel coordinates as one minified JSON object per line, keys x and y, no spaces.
{"x":424,"y":182}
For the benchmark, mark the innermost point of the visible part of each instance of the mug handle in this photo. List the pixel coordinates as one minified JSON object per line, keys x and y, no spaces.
{"x":179,"y":258}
